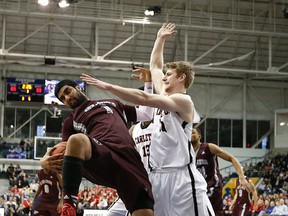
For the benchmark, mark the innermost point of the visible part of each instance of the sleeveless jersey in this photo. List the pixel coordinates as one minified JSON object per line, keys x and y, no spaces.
{"x":49,"y":185}
{"x":170,"y":145}
{"x":114,"y":156}
{"x":207,"y":164}
{"x":243,"y":195}
{"x":99,"y":119}
{"x":142,"y":139}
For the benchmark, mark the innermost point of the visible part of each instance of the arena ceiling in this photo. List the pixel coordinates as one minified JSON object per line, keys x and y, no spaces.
{"x":234,"y":38}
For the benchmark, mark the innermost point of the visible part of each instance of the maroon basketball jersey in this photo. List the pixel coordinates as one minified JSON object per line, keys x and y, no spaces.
{"x":114,"y":156}
{"x":49,"y":185}
{"x":98,"y":119}
{"x":243,"y":195}
{"x":207,"y":164}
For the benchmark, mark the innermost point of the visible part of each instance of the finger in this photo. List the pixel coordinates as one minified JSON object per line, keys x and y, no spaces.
{"x":135,"y":76}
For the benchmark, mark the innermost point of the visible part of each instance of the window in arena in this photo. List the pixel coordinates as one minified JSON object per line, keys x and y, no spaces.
{"x":212,"y":130}
{"x":225,"y":132}
{"x":237,"y":133}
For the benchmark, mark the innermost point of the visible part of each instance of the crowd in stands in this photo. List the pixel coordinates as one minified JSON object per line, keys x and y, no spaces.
{"x":16,"y":150}
{"x":17,"y":199}
{"x":272,"y":189}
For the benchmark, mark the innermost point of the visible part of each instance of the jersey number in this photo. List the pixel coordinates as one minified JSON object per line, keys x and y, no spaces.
{"x":146,"y":150}
{"x":240,"y":193}
{"x":46,"y":188}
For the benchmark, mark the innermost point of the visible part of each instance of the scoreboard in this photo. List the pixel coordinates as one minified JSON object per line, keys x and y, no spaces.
{"x":25,"y":90}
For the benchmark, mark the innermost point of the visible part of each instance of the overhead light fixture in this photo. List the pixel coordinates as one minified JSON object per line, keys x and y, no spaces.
{"x":43,"y":2}
{"x":63,"y":4}
{"x":152,"y":10}
{"x":285,"y":11}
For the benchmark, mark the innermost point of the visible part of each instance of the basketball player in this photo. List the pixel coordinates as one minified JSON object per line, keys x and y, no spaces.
{"x":50,"y":184}
{"x":243,"y":197}
{"x":100,"y":148}
{"x":207,"y":163}
{"x":178,"y":187}
{"x":141,"y":134}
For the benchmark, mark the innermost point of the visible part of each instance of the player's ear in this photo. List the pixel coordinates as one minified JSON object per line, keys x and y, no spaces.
{"x":183,"y":77}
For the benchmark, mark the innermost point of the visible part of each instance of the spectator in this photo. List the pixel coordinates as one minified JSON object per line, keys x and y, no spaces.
{"x":17,"y":149}
{"x":26,"y":148}
{"x":280,"y":209}
{"x":269,"y":209}
{"x":18,"y":169}
{"x":226,"y":207}
{"x":11,"y":207}
{"x":10,"y":170}
{"x":34,"y":186}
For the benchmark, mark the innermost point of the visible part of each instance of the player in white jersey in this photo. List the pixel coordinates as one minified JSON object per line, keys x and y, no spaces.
{"x":178,"y":187}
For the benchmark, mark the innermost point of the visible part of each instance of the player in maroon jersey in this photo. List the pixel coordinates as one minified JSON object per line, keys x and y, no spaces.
{"x":50,"y":184}
{"x":243,"y":197}
{"x":207,"y":163}
{"x":100,"y":148}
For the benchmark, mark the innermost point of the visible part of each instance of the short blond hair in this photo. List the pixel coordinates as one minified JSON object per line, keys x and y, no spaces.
{"x":183,"y":67}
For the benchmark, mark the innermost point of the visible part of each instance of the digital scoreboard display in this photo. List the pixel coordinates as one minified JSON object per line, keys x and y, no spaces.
{"x":25,"y":90}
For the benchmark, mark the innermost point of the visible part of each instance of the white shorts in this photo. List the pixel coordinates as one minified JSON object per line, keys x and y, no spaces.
{"x":117,"y":209}
{"x":180,"y":192}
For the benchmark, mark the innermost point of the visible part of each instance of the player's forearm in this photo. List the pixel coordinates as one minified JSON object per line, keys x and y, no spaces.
{"x":238,"y":168}
{"x":134,"y":96}
{"x":156,"y":58}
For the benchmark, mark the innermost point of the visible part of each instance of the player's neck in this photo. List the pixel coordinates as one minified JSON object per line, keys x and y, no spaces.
{"x":196,"y":145}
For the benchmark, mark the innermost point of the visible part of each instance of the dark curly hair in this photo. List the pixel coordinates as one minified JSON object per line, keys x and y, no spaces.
{"x":63,"y":83}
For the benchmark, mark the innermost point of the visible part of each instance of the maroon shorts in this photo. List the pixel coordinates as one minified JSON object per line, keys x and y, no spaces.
{"x":119,"y":166}
{"x":215,"y":197}
{"x":240,"y":209}
{"x":46,"y":208}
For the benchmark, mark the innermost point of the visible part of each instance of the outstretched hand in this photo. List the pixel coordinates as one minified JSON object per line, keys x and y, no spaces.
{"x":144,"y":74}
{"x":95,"y":82}
{"x":167,"y":30}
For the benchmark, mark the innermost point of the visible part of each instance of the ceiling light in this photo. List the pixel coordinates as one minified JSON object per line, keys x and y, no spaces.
{"x":63,"y":4}
{"x":152,"y":10}
{"x":43,"y":2}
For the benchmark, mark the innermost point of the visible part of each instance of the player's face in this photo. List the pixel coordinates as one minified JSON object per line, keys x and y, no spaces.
{"x":195,"y":137}
{"x":71,"y":96}
{"x":170,"y":79}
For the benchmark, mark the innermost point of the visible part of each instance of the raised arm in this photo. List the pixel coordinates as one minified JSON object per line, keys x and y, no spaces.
{"x":157,"y":55}
{"x":180,"y":103}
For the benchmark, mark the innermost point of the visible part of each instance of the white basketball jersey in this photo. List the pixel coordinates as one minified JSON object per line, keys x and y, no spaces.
{"x":142,"y":139}
{"x":170,"y":146}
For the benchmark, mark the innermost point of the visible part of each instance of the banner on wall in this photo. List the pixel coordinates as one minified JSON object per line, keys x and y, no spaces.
{"x":92,"y":212}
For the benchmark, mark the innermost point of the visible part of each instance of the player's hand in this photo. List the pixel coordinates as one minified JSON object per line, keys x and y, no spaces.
{"x":167,"y":30}
{"x":60,"y":206}
{"x":144,"y":74}
{"x":245,"y":183}
{"x":53,"y":162}
{"x":95,"y":82}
